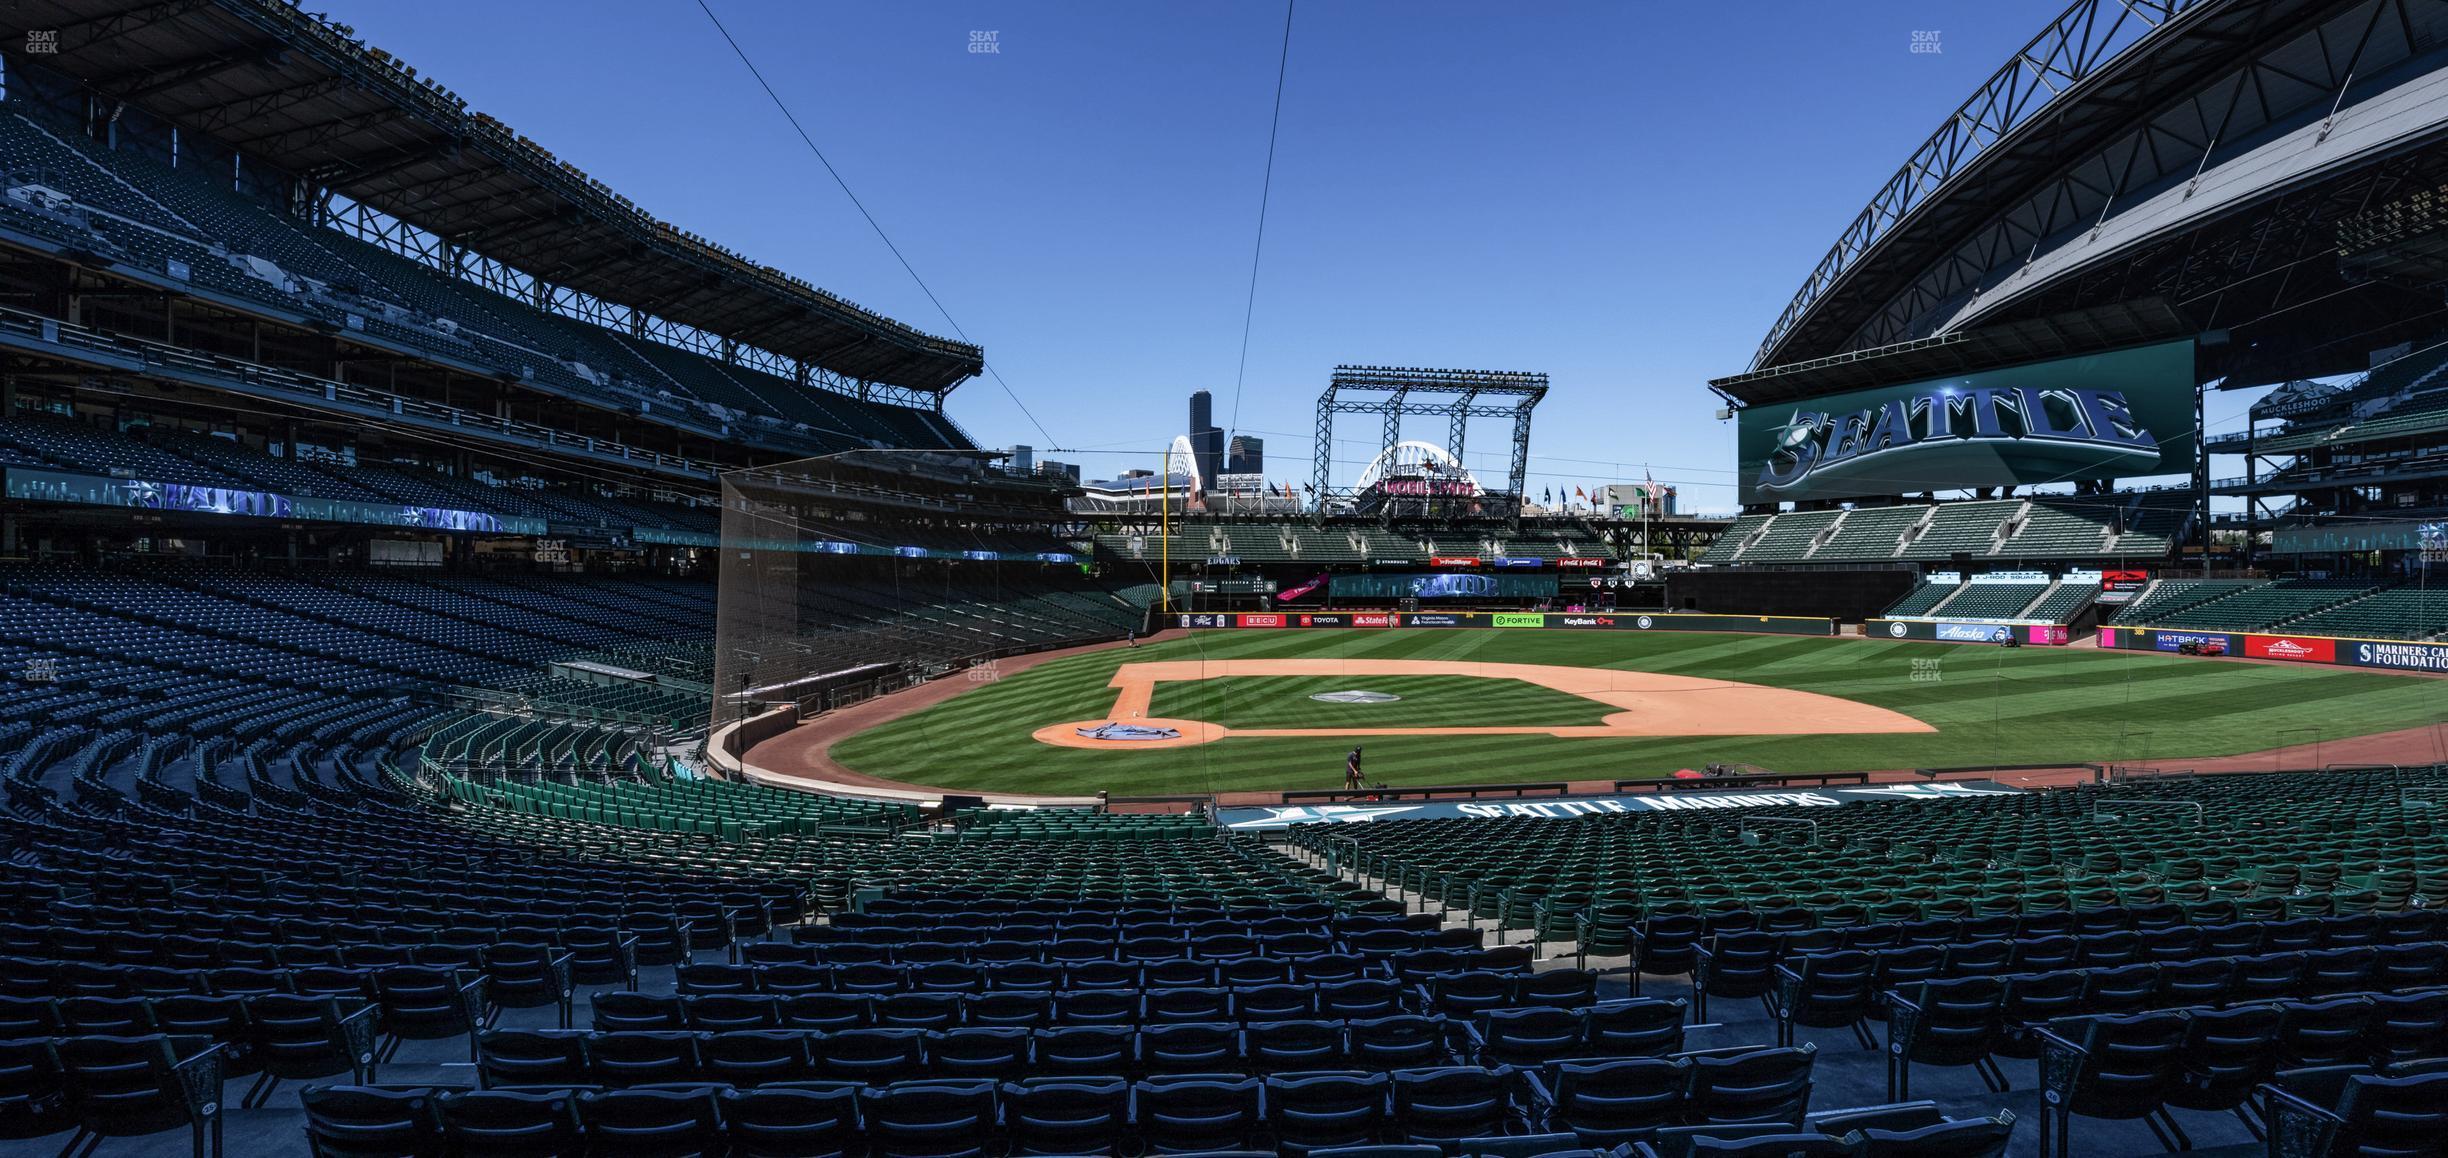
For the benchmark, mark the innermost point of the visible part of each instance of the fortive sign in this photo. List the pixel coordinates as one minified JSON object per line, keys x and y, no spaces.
{"x":1517,"y":619}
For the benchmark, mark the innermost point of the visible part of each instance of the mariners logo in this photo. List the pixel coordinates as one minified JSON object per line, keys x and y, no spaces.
{"x":1355,"y":697}
{"x":1128,"y":732}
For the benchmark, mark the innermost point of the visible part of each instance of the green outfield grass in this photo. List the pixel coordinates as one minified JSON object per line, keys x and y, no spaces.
{"x":1990,"y":706}
{"x":1427,"y":702}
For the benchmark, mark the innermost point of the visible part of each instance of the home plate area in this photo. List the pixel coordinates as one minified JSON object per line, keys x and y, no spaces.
{"x":1643,"y":704}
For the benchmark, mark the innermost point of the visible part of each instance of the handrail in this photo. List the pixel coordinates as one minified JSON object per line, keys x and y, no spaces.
{"x":164,"y":356}
{"x":2106,"y":809}
{"x":1430,"y":792}
{"x":1744,"y":832}
{"x":1740,"y":780}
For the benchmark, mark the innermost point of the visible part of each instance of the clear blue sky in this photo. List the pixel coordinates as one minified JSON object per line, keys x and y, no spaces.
{"x":1622,"y":195}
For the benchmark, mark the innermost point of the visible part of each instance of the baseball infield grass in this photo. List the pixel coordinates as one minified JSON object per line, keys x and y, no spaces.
{"x":1425,"y":702}
{"x":1989,"y":705}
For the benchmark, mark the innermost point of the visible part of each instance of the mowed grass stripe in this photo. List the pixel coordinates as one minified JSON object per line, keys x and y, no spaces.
{"x":2027,"y":705}
{"x":1242,"y":702}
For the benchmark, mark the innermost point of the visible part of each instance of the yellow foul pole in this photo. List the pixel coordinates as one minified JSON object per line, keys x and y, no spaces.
{"x":1164,"y":534}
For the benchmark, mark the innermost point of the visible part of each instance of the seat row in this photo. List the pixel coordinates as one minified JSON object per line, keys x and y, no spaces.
{"x":1973,"y":1020}
{"x":69,"y":935}
{"x":2141,"y":1065}
{"x":519,"y":976}
{"x":1742,"y":965}
{"x":237,"y":913}
{"x":1666,"y":943}
{"x":1901,"y":1130}
{"x":758,"y":975}
{"x":1100,"y":944}
{"x":1450,"y":1109}
{"x":507,"y":1057}
{"x":945,"y":912}
{"x":1040,"y":1007}
{"x":665,"y":934}
{"x":112,"y":1087}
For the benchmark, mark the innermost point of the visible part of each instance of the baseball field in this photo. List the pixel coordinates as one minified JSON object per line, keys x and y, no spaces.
{"x":1261,"y":710}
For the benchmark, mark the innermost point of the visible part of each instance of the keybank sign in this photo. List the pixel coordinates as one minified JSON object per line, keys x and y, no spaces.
{"x":2115,"y":415}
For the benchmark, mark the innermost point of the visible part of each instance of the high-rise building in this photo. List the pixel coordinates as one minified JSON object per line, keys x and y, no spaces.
{"x":1206,"y":442}
{"x":1246,"y":455}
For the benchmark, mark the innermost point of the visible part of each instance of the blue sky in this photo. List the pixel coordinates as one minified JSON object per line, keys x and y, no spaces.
{"x":1622,"y":195}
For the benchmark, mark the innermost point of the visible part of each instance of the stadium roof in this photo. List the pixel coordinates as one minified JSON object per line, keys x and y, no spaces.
{"x":303,"y":95}
{"x":2117,"y":106}
{"x":1961,"y":352}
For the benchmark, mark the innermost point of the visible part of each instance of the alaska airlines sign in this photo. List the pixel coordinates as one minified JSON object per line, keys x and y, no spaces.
{"x":2115,"y":415}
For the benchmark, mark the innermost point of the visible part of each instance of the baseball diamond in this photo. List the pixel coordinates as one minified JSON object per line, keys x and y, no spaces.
{"x":1908,"y":703}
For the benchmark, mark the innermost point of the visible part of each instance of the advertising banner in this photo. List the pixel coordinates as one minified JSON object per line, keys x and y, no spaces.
{"x":1453,"y":561}
{"x":2388,"y":654}
{"x":2199,"y":642}
{"x":2301,"y":648}
{"x":1298,"y":590}
{"x":2122,"y":586}
{"x":1390,"y":586}
{"x":53,"y":486}
{"x":1568,"y":621}
{"x":2337,"y":538}
{"x":1974,"y":633}
{"x":1568,"y":807}
{"x":1961,"y":631}
{"x":2398,"y":656}
{"x":1570,"y":561}
{"x":2121,"y":414}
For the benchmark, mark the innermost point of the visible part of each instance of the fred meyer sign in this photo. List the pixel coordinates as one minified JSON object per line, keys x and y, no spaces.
{"x":2115,"y":415}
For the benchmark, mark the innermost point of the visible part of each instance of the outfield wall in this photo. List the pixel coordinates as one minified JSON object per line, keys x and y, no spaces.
{"x":1849,"y":595}
{"x":1967,"y":631}
{"x":1527,"y":620}
{"x":2345,"y":651}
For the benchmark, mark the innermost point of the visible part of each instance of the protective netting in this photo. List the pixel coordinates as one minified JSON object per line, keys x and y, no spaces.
{"x":805,"y":605}
{"x":837,"y":585}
